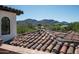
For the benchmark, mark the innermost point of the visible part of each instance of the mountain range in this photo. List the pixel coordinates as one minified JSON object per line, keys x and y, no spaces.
{"x":44,"y":21}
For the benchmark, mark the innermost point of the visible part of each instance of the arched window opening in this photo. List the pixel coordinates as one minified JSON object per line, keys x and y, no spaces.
{"x":5,"y":26}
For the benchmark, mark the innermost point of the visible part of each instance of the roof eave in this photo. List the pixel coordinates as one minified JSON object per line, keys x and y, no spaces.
{"x":9,"y":9}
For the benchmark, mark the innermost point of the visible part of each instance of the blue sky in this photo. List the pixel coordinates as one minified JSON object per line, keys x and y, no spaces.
{"x":69,"y":13}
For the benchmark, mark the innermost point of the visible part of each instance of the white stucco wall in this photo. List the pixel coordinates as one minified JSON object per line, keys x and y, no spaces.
{"x":12,"y":17}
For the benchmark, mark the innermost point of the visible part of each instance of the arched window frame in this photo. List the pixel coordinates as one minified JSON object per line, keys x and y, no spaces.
{"x":5,"y":26}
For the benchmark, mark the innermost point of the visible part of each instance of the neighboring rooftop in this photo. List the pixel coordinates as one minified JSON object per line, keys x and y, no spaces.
{"x":49,"y":41}
{"x":9,"y":9}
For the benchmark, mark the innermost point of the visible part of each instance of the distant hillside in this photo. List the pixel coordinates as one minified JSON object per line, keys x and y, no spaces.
{"x":48,"y":21}
{"x":44,"y":21}
{"x":30,"y":25}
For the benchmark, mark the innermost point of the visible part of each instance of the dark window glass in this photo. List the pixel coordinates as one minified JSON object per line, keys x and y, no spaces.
{"x":5,"y":26}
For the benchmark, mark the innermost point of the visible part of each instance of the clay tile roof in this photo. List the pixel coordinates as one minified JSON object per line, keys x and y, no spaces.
{"x":43,"y":41}
{"x":9,"y":9}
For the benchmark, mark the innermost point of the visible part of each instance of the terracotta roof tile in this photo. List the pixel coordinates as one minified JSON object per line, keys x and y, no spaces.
{"x":77,"y":50}
{"x":64,"y":48}
{"x":50,"y":47}
{"x":57,"y":47}
{"x":34,"y":46}
{"x":39,"y":46}
{"x":47,"y":42}
{"x":71,"y":49}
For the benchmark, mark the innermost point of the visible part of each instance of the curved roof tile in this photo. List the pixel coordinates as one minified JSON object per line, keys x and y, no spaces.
{"x":47,"y":43}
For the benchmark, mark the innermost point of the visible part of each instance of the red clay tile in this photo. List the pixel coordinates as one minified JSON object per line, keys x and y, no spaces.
{"x":50,"y":47}
{"x":77,"y":50}
{"x":64,"y":48}
{"x":71,"y":49}
{"x":57,"y":47}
